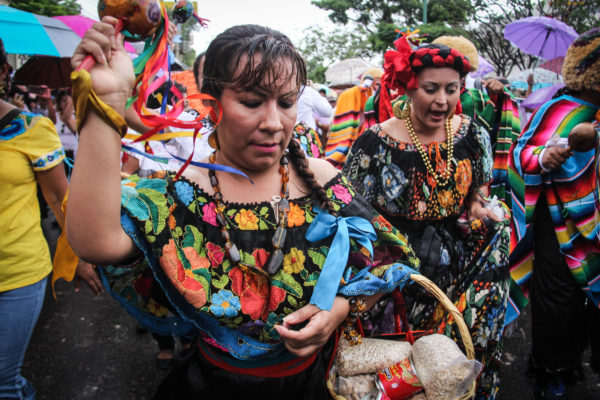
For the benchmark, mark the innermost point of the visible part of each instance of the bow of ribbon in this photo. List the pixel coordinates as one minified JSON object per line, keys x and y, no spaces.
{"x":342,"y":228}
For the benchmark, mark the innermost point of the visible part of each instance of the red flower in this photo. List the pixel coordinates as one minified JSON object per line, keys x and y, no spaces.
{"x":254,"y":291}
{"x":215,"y":254}
{"x":183,"y":280}
{"x":398,"y":72}
{"x":261,"y":256}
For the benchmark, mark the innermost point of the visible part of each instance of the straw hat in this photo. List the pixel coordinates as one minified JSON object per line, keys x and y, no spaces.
{"x":463,"y":45}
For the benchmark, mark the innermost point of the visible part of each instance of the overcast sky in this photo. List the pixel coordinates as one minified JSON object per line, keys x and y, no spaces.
{"x":287,"y":16}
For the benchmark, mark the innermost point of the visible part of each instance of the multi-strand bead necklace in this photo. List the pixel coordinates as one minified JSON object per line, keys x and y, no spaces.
{"x":283,"y":208}
{"x":444,"y":177}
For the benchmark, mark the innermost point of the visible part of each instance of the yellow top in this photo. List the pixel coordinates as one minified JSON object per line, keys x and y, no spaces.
{"x":27,"y":145}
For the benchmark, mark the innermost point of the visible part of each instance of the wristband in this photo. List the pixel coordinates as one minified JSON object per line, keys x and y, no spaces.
{"x":85,"y":97}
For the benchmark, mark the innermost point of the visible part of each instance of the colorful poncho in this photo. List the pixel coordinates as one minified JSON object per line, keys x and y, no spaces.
{"x":347,"y":124}
{"x":570,"y":194}
{"x":504,"y":128}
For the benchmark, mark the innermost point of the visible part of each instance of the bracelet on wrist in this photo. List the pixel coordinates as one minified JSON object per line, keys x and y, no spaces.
{"x":84,"y":97}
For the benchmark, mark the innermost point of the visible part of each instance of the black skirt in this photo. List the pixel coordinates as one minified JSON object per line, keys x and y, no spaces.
{"x":193,"y":377}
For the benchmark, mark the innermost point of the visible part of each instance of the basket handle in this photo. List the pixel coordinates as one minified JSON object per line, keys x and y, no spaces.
{"x":432,"y":288}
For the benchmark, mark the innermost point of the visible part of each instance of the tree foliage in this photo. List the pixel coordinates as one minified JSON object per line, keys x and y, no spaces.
{"x":321,"y":49}
{"x":379,"y":18}
{"x":481,"y":21}
{"x":49,"y":8}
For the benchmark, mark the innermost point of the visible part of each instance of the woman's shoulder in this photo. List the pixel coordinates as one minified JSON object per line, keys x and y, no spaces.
{"x":323,"y":170}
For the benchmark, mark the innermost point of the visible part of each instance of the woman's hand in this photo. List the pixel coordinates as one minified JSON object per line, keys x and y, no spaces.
{"x":478,"y":211}
{"x":85,"y":271}
{"x":494,"y":86}
{"x":113,"y":75}
{"x":555,"y":156}
{"x":321,"y":324}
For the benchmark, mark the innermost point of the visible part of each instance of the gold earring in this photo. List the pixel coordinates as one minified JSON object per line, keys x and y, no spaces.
{"x":213,"y":140}
{"x":402,"y":109}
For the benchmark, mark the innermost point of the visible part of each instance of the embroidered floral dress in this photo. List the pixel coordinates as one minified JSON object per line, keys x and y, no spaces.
{"x":309,"y":140}
{"x":175,"y":224}
{"x":468,"y":261}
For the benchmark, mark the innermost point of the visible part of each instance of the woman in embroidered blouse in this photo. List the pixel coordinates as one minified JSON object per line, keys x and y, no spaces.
{"x":231,"y":255}
{"x":426,"y":170}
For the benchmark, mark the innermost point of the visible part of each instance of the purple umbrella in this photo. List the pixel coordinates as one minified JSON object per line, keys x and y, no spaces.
{"x":541,"y":96}
{"x":543,"y":37}
{"x":484,"y":68}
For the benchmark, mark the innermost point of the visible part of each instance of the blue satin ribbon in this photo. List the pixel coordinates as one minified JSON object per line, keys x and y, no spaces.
{"x":323,"y":226}
{"x":165,"y":160}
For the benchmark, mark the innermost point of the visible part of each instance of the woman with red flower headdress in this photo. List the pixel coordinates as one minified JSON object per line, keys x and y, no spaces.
{"x":427,"y":168}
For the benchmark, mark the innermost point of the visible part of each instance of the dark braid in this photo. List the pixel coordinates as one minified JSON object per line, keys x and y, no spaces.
{"x":298,"y":159}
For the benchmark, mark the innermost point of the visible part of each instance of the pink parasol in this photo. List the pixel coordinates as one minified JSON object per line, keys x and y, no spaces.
{"x":554,"y":65}
{"x":80,"y":24}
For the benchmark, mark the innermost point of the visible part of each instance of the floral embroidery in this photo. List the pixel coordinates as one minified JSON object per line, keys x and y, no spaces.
{"x":185,"y":192}
{"x":215,"y":253}
{"x":445,"y":198}
{"x":225,"y":303}
{"x":157,"y":309}
{"x":247,"y":220}
{"x":393,"y":181}
{"x":295,"y":216}
{"x":342,"y":193}
{"x":192,"y":290}
{"x":209,"y":213}
{"x":293,"y":262}
{"x":48,"y":160}
{"x":309,"y":140}
{"x":193,"y":257}
{"x":463,"y":176}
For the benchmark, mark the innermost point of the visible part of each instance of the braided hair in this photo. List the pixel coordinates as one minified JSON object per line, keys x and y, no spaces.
{"x":300,"y":163}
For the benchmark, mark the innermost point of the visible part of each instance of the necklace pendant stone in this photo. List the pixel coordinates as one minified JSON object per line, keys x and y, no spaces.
{"x":274,"y":262}
{"x":279,"y":237}
{"x":234,"y":254}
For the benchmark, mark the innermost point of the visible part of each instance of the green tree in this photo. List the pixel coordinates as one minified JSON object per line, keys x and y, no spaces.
{"x":49,"y":8}
{"x":321,"y":49}
{"x":380,"y":18}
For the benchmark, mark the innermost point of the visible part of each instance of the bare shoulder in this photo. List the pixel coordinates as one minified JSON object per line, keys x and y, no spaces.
{"x":323,"y":170}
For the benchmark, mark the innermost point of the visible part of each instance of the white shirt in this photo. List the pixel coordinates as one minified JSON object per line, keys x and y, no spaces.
{"x":180,"y":147}
{"x":311,"y":104}
{"x":68,"y":138}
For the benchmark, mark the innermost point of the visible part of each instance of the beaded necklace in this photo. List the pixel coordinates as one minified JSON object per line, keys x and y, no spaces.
{"x":283,"y":208}
{"x":450,"y":142}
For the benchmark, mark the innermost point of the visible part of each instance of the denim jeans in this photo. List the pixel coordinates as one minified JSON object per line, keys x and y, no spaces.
{"x":19,"y":311}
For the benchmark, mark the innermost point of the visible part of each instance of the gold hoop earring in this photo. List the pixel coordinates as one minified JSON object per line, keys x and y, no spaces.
{"x":402,"y":109}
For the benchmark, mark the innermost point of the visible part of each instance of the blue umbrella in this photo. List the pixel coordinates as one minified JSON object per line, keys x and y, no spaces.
{"x":27,"y":33}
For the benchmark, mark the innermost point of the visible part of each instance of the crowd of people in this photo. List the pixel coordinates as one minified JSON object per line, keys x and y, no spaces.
{"x":303,"y":210}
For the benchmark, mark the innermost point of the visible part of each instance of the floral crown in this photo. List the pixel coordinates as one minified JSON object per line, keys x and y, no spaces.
{"x":402,"y":65}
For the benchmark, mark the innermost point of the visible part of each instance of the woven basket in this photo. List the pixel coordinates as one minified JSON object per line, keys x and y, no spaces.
{"x":456,"y":316}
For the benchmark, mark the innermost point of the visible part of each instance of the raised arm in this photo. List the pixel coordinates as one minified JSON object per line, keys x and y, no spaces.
{"x":93,"y":213}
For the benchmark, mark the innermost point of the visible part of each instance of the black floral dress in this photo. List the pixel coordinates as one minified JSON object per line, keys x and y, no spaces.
{"x":239,"y":353}
{"x":466,"y":259}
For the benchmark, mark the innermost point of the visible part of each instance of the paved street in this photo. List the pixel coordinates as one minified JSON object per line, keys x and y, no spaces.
{"x":86,"y":347}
